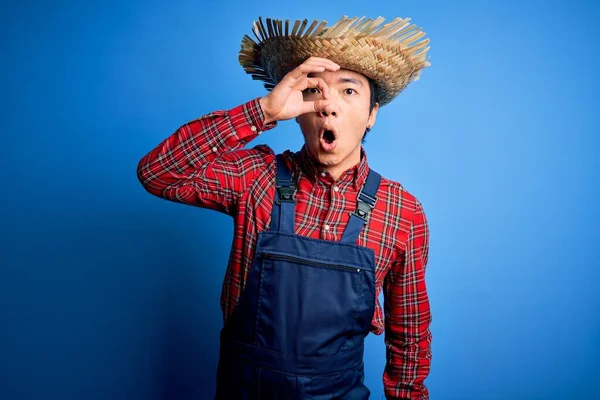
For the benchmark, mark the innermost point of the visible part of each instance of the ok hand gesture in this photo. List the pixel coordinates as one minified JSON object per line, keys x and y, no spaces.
{"x":286,"y":101}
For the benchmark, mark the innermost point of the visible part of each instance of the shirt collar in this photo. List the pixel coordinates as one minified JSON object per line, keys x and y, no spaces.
{"x":356,"y":174}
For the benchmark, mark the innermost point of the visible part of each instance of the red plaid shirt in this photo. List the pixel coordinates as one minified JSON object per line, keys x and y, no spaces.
{"x":204,"y":163}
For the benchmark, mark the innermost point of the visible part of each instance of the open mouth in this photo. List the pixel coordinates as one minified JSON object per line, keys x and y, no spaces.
{"x":328,"y":136}
{"x":328,"y":139}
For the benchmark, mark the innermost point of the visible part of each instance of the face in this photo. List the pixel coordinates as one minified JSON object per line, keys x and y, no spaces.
{"x":333,"y":136}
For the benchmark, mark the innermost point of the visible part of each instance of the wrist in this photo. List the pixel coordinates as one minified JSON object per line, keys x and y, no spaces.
{"x":267,"y":119}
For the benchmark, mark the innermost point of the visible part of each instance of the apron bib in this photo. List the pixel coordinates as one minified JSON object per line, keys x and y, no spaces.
{"x":298,"y":331}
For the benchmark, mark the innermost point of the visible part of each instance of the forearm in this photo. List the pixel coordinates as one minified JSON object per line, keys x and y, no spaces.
{"x":408,"y":317}
{"x":409,"y":362}
{"x":183,"y":155}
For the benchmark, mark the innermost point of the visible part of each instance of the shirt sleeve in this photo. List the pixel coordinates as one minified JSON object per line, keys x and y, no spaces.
{"x":203,"y":164}
{"x":408,"y":317}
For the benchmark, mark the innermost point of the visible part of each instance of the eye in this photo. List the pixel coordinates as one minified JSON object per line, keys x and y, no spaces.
{"x":349,"y":91}
{"x":312,"y":90}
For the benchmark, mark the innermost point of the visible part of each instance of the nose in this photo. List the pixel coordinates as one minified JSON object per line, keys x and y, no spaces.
{"x":330,"y":110}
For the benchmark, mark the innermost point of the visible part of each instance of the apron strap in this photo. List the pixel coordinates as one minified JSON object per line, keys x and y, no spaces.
{"x":365,"y":202}
{"x":282,"y":216}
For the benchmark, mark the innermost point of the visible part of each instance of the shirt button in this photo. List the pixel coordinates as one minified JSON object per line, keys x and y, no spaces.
{"x":323,"y":174}
{"x":337,"y":189}
{"x":214,"y":149}
{"x":253,"y":128}
{"x":326,"y":227}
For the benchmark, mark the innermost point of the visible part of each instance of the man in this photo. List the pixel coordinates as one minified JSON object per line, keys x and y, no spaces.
{"x":318,"y":234}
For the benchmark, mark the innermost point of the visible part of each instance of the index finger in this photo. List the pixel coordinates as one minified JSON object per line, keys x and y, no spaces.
{"x":307,"y":67}
{"x":322,"y":61}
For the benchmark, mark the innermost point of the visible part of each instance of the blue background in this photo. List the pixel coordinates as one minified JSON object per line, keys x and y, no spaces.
{"x":107,"y":292}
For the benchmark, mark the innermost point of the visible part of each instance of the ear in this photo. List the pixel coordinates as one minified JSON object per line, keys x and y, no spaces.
{"x":373,"y":116}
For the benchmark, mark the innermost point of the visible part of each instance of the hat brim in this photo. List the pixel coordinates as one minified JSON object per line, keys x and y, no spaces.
{"x":391,"y":55}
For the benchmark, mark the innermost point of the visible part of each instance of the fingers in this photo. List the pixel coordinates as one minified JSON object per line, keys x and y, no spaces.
{"x":313,"y":65}
{"x":314,"y":106}
{"x":320,"y":84}
{"x":285,"y":94}
{"x":304,"y":69}
{"x":323,"y":62}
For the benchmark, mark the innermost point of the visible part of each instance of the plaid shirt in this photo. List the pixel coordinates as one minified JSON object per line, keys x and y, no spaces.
{"x":204,"y":163}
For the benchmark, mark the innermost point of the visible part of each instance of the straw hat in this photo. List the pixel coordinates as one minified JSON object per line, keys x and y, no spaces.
{"x":392,"y":55}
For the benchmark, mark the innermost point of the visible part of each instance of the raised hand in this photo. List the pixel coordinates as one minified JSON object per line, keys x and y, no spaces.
{"x":286,"y":101}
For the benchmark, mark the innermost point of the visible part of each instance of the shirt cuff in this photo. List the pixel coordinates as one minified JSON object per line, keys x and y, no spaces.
{"x":248,"y":120}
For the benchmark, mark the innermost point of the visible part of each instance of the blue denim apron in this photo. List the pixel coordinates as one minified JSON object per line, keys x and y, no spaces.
{"x":298,"y":331}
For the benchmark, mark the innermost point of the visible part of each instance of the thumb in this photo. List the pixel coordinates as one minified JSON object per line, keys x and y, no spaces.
{"x":314,"y":106}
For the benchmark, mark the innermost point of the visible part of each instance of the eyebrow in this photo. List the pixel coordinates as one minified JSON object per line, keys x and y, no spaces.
{"x":350,"y":80}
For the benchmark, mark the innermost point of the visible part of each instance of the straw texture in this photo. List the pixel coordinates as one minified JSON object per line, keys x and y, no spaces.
{"x":391,"y":54}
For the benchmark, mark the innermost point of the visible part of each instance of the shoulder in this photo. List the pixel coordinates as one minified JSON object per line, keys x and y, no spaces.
{"x":260,"y":158}
{"x":410,"y":207}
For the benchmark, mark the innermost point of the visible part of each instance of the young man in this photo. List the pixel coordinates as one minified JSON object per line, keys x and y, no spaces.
{"x":318,"y":234}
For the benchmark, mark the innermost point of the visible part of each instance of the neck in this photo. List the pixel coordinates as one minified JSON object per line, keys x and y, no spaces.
{"x":336,"y":171}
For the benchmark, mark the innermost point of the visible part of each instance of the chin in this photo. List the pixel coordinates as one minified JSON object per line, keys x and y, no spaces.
{"x":329,"y":161}
{"x":322,"y":157}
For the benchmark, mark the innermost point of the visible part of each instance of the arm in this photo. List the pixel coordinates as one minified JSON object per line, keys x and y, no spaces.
{"x":407,"y":318}
{"x":196,"y":164}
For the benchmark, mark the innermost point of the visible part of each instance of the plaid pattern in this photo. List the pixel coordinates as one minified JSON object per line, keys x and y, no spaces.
{"x":204,"y":163}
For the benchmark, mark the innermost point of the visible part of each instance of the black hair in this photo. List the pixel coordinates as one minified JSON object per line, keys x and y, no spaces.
{"x":372,"y":102}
